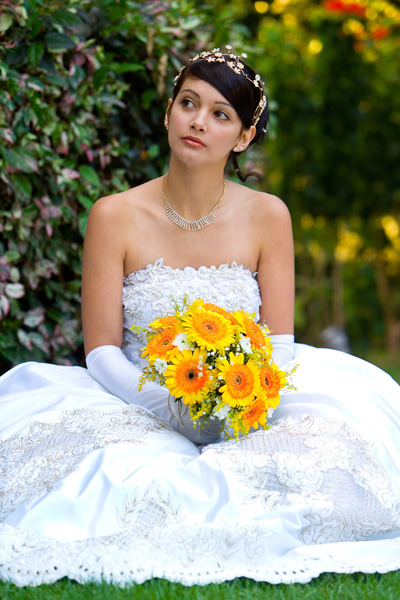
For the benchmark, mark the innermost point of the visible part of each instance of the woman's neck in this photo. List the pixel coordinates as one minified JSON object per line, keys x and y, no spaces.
{"x":193,"y":193}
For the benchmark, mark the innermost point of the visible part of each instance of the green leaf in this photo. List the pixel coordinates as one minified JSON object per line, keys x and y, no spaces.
{"x":5,"y":341}
{"x":120,"y":68}
{"x":16,"y":56}
{"x":65,"y":18}
{"x":147,"y":98}
{"x":90,"y":175}
{"x":153,"y":151}
{"x":34,"y":317}
{"x":12,"y":256}
{"x":23,"y":160}
{"x":6,"y":21}
{"x":100,"y":77}
{"x":85,"y":201}
{"x":14,"y":290}
{"x":59,"y":41}
{"x":191,"y":23}
{"x":111,"y":100}
{"x":35,"y":53}
{"x":23,"y":184}
{"x":83,"y":218}
{"x":58,"y":81}
{"x":34,"y":83}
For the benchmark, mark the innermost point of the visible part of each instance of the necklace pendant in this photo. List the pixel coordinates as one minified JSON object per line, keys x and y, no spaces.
{"x":183,"y":223}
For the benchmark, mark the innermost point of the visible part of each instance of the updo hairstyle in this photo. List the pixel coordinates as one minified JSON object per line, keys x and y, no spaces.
{"x":242,"y":94}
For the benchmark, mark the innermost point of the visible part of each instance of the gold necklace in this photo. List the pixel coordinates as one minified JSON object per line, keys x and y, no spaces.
{"x":183,"y":223}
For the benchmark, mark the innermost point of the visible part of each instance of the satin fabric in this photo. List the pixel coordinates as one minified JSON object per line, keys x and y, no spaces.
{"x":93,"y":488}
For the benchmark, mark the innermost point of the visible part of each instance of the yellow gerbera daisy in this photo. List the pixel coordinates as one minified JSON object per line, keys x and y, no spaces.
{"x":252,"y":330}
{"x":187,"y":377}
{"x":255,"y":415}
{"x":272,"y":381}
{"x":208,"y":330}
{"x":213,"y":308}
{"x":242,"y":381}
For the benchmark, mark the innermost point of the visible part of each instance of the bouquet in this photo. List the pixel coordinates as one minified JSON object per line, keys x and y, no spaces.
{"x":218,"y":363}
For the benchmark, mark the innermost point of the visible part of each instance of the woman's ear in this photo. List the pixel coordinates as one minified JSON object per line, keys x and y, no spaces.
{"x":245,"y":138}
{"x":168,"y":113}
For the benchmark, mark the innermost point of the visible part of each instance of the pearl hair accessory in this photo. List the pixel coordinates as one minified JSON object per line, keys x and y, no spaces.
{"x":234,"y":63}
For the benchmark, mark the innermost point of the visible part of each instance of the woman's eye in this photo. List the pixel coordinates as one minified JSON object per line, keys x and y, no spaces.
{"x":187,"y":102}
{"x":222,"y":115}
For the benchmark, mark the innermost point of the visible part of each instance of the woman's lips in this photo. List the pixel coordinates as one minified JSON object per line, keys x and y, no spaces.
{"x":192,"y":141}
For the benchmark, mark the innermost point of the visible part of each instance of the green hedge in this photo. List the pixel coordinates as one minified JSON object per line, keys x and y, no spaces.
{"x":83,"y":92}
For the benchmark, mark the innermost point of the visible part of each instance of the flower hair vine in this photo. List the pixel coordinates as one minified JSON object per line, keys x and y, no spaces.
{"x":233,"y":62}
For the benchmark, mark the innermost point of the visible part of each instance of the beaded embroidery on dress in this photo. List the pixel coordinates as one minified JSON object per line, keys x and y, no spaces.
{"x":92,"y":488}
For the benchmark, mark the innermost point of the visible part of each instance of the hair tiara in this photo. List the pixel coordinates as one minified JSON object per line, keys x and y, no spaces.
{"x":234,"y":63}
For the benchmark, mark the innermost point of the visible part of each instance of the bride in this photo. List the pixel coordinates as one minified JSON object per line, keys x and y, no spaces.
{"x":99,"y":480}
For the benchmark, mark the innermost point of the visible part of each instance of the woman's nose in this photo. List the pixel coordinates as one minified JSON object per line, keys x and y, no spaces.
{"x":198,"y":123}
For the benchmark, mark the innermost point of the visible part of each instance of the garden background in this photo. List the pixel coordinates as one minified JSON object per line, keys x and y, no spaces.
{"x":83,"y":88}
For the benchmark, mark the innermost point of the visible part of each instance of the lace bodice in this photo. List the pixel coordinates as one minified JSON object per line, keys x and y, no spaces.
{"x":149,"y":293}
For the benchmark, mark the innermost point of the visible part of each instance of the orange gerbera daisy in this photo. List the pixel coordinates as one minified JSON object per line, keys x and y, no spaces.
{"x":160,"y":346}
{"x":253,"y":331}
{"x":187,"y":377}
{"x":208,"y":330}
{"x":241,"y":380}
{"x":255,"y":415}
{"x":272,"y":381}
{"x":164,"y":322}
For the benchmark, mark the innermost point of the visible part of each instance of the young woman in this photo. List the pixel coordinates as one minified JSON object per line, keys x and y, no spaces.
{"x":101,"y":481}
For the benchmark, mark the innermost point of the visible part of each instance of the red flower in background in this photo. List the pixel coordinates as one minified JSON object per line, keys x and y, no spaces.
{"x":346,"y":7}
{"x":380,"y":32}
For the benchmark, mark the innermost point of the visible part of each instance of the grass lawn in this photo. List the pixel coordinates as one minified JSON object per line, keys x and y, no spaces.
{"x":326,"y":587}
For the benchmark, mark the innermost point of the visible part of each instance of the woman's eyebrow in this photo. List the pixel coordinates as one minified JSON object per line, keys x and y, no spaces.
{"x":197,"y":95}
{"x":191,"y":91}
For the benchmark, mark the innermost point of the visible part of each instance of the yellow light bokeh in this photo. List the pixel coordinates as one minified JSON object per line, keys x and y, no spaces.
{"x":348,"y":246}
{"x":307,"y":221}
{"x":371,"y":14}
{"x":290,"y":19}
{"x":390,"y":227}
{"x":315,"y":250}
{"x":353,"y":27}
{"x":315,"y":46}
{"x":261,"y":7}
{"x":371,"y":55}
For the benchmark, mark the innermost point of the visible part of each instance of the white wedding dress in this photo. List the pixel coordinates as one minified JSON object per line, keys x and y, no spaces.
{"x":92,"y":488}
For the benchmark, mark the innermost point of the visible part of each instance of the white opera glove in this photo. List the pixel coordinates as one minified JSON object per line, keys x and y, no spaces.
{"x":109,"y":366}
{"x":282,"y":348}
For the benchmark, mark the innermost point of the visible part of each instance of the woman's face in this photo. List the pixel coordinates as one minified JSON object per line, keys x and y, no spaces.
{"x":203,"y":126}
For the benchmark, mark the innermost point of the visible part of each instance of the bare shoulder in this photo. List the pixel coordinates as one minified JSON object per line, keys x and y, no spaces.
{"x":263,"y":208}
{"x":268,"y":205}
{"x":117,"y":208}
{"x":120,"y":201}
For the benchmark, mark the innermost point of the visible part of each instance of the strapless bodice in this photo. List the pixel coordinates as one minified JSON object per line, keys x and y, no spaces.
{"x":149,"y":293}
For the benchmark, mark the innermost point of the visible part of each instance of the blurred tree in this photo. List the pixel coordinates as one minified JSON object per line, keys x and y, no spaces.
{"x":332,"y":68}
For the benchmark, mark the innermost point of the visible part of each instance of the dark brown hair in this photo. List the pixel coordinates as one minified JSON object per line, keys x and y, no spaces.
{"x":242,"y":94}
